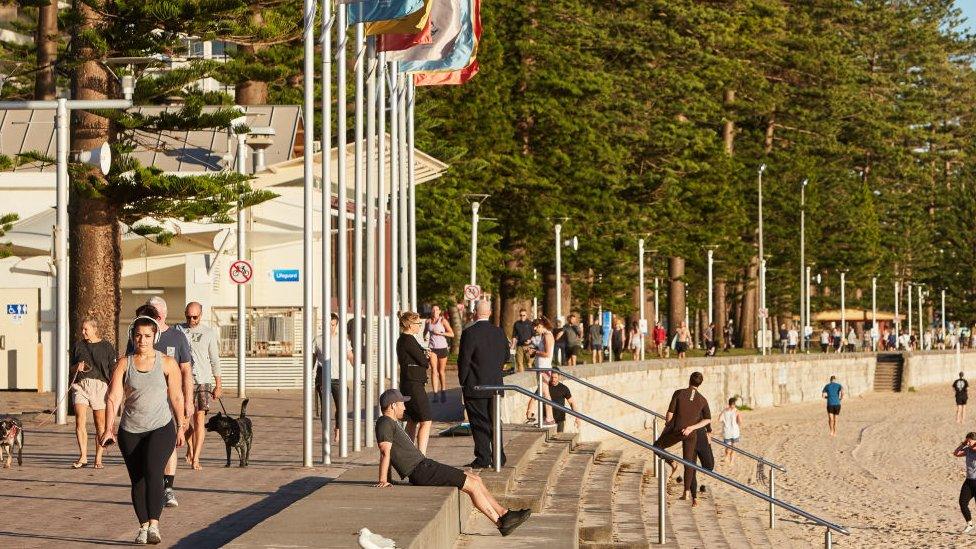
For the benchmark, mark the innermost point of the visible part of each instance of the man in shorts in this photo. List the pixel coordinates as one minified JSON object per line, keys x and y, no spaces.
{"x":397,"y":450}
{"x":522,"y":334}
{"x":834,"y":393}
{"x":206,"y":377}
{"x":961,"y":387}
{"x":561,"y":395}
{"x":573,"y":334}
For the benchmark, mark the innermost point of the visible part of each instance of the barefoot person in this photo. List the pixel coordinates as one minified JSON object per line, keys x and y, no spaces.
{"x":687,"y":413}
{"x":968,"y":491}
{"x":834,"y":393}
{"x":544,"y":348}
{"x":92,"y":360}
{"x":961,"y":387}
{"x":206,"y":377}
{"x":410,"y":463}
{"x":731,"y":423}
{"x":150,"y":385}
{"x":438,"y":329}
{"x":413,"y":361}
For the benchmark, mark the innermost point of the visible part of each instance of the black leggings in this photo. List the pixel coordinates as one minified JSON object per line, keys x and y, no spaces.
{"x":689,"y":445}
{"x":145,"y":456}
{"x":967,"y":493}
{"x":703,"y":450}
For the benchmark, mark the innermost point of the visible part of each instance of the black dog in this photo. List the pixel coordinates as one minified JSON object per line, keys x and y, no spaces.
{"x":236,"y":433}
{"x":11,"y":436}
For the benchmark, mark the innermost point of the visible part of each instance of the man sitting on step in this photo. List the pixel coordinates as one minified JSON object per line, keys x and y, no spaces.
{"x":397,"y":449}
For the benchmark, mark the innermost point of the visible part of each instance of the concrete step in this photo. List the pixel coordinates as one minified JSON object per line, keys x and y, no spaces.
{"x":596,"y":504}
{"x":718,"y":524}
{"x":649,"y":501}
{"x":628,"y":523}
{"x":532,"y":484}
{"x":519,"y":451}
{"x":685,"y":528}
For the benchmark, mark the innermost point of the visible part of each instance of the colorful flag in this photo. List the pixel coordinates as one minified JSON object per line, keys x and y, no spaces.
{"x":411,"y":24}
{"x":460,"y":54}
{"x":381,"y":10}
{"x":446,"y":78}
{"x":399,"y":42}
{"x":445,"y":25}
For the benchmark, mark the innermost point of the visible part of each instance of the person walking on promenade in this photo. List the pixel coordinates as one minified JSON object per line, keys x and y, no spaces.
{"x":731,"y":420}
{"x":573,"y":335}
{"x":967,"y":449}
{"x":596,"y":342}
{"x":709,"y":337}
{"x":687,"y":412}
{"x":792,"y":340}
{"x":834,"y":393}
{"x":480,"y":361}
{"x":543,"y":359}
{"x":92,"y":360}
{"x":334,"y":382}
{"x":522,"y":334}
{"x":559,"y":356}
{"x":684,"y":338}
{"x":150,"y":385}
{"x":635,"y":340}
{"x":661,"y":341}
{"x":206,"y":369}
{"x":397,"y":451}
{"x":961,"y":387}
{"x":413,"y":361}
{"x":617,"y":340}
{"x":438,"y":329}
{"x":172,"y":343}
{"x":783,"y":337}
{"x":824,"y":340}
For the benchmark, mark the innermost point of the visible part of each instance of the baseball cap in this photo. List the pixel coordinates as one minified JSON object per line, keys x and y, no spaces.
{"x":390,"y":396}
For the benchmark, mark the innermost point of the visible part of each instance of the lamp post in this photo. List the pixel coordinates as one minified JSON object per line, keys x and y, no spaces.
{"x":762,"y":268}
{"x":803,"y":288}
{"x":640,"y":294}
{"x":843,"y":305}
{"x":308,"y":307}
{"x":574,"y":243}
{"x":910,"y":308}
{"x":711,"y":290}
{"x":921,"y":340}
{"x":897,"y":323}
{"x":874,"y":313}
{"x":535,"y":298}
{"x":657,"y":310}
{"x":943,"y":313}
{"x":808,"y":326}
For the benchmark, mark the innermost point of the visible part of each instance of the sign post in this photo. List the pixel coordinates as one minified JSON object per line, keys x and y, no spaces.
{"x":241,"y":271}
{"x":472,"y":293}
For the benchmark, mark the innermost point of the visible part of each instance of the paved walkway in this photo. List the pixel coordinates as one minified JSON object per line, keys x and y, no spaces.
{"x":48,"y":504}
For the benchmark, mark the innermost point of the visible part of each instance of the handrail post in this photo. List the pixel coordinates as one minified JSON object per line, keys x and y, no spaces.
{"x":662,"y":503}
{"x":772,"y":494}
{"x":496,"y":446}
{"x":539,"y":409}
{"x":657,"y":463}
{"x":828,"y":540}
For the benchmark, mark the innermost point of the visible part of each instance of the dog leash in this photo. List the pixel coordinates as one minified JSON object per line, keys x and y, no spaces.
{"x":53,"y":413}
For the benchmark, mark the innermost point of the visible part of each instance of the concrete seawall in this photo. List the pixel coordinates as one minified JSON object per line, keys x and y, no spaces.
{"x":758,"y":381}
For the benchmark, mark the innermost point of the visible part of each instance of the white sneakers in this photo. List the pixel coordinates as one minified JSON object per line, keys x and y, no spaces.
{"x":170,"y":498}
{"x":970,"y":526}
{"x":142,"y":537}
{"x":152,"y":534}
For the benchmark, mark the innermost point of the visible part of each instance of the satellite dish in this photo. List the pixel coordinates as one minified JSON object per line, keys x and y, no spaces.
{"x":100,"y":157}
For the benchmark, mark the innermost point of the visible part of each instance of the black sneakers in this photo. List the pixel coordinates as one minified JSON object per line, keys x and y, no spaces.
{"x":512,"y":520}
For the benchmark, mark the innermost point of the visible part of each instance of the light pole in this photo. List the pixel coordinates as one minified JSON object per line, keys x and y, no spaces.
{"x":809,"y":325}
{"x":640,"y":270}
{"x":711,"y":291}
{"x":897,"y":323}
{"x":657,"y":310}
{"x":762,"y":268}
{"x":943,"y":314}
{"x":574,"y":243}
{"x":803,"y":288}
{"x":910,"y":309}
{"x":535,"y":298}
{"x":874,"y":313}
{"x":921,"y":340}
{"x":475,"y":205}
{"x":308,"y":307}
{"x":843,"y":305}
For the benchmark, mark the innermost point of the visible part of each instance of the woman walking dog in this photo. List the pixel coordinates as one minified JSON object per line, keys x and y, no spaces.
{"x":92,"y":360}
{"x":150,"y":384}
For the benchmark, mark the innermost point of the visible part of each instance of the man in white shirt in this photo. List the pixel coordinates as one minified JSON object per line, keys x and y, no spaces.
{"x":206,"y":377}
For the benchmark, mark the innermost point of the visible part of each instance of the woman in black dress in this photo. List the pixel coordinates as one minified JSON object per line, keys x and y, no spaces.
{"x":413,"y":359}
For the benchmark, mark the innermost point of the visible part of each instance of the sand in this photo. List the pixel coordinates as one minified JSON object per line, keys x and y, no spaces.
{"x":888,"y":476}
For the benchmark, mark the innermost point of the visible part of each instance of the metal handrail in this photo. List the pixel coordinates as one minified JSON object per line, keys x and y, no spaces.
{"x":716,"y":440}
{"x":659,"y":453}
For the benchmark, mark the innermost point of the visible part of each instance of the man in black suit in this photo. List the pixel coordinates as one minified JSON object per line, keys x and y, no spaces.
{"x":483,"y":354}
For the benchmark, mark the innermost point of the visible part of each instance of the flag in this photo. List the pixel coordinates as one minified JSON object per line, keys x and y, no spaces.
{"x":460,"y":53}
{"x":451,"y":78}
{"x":398,"y":42}
{"x":381,"y":10}
{"x":411,"y":24}
{"x":445,"y":25}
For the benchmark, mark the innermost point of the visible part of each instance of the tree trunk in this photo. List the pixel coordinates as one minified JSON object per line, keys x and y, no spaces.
{"x":251,"y":92}
{"x":46,"y":42}
{"x":508,"y":289}
{"x":747,"y":315}
{"x":549,"y":307}
{"x":676,"y":293}
{"x":728,"y":125}
{"x":721,"y":313}
{"x":457,"y":324}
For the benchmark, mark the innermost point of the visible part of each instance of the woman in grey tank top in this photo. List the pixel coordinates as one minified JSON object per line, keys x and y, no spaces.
{"x":149,"y":384}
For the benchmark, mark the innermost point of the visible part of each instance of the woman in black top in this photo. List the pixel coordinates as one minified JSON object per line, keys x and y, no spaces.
{"x":413,"y":359}
{"x":92,"y":361}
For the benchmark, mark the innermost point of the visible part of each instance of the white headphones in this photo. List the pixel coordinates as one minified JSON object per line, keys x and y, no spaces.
{"x":132,"y":328}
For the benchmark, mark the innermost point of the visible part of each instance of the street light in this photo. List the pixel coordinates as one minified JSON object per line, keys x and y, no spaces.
{"x":874,"y":313}
{"x":640,"y":269}
{"x":571,"y":243}
{"x":762,"y":268}
{"x":476,"y":200}
{"x":803,"y":288}
{"x":843,"y":305}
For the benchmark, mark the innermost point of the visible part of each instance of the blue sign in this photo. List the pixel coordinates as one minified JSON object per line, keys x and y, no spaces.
{"x":285,"y":275}
{"x":607,"y":322}
{"x":18,"y":309}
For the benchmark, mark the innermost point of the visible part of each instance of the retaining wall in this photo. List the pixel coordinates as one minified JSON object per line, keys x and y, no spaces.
{"x":936,"y":367}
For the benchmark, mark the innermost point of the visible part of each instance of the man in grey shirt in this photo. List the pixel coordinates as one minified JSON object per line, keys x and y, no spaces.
{"x":206,"y":377}
{"x":967,"y":450}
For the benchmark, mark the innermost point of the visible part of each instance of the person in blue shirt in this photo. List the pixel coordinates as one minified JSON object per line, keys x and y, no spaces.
{"x":834,"y":393}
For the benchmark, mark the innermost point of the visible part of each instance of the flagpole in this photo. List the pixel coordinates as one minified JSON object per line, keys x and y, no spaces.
{"x":394,"y":217}
{"x":357,"y":344}
{"x":326,"y":131}
{"x":404,"y":191}
{"x":371,"y":210}
{"x":343,"y":226}
{"x":382,"y":325}
{"x":411,"y":92}
{"x":308,"y":306}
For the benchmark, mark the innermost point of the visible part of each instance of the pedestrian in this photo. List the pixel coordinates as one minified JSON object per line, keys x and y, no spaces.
{"x":792,"y":339}
{"x":961,"y":387}
{"x":834,"y":393}
{"x":334,"y":372}
{"x":413,"y":359}
{"x":559,"y":356}
{"x":824,"y":340}
{"x":522,"y":335}
{"x":172,"y":343}
{"x":783,"y":337}
{"x":661,"y":341}
{"x":709,"y":336}
{"x":573,"y":334}
{"x":206,"y":378}
{"x":150,"y":385}
{"x":596,"y":342}
{"x":438,"y":330}
{"x":560,"y":394}
{"x":92,"y":361}
{"x":731,"y":420}
{"x":927,"y":340}
{"x":617,"y":340}
{"x":480,"y":361}
{"x":729,"y":336}
{"x":687,"y":412}
{"x":635,"y":340}
{"x":851,"y":340}
{"x":397,"y":451}
{"x":543,"y":359}
{"x":836,"y":338}
{"x":683,"y":336}
{"x":705,"y":457}
{"x":967,"y":449}
{"x":892,"y":342}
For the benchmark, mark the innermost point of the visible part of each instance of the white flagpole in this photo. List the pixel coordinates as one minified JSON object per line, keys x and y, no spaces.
{"x":308,"y":306}
{"x":327,"y":350}
{"x":411,"y":162}
{"x":357,"y":343}
{"x":371,"y":212}
{"x":343,"y":233}
{"x":383,"y":326}
{"x":395,"y":251}
{"x":406,"y":304}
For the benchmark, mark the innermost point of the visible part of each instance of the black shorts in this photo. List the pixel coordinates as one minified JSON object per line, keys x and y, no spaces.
{"x":433,"y":473}
{"x":961,"y":399}
{"x":418,"y":407}
{"x":682,"y":347}
{"x":835,"y":410}
{"x":440,"y":353}
{"x":574,"y":350}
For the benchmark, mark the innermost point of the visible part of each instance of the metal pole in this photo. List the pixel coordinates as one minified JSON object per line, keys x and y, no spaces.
{"x":535,"y":298}
{"x":808,"y":316}
{"x":921,"y":340}
{"x":640,"y":270}
{"x":496,"y":446}
{"x":474,"y":246}
{"x":711,"y":291}
{"x":910,"y":311}
{"x":657,"y":311}
{"x":662,"y":502}
{"x":538,"y":403}
{"x":828,"y":540}
{"x":326,"y":132}
{"x":383,"y":327}
{"x":343,"y":232}
{"x":943,"y":314}
{"x":772,"y":494}
{"x":308,"y":306}
{"x":843,"y":304}
{"x":241,"y":296}
{"x":411,"y":163}
{"x":897,"y":321}
{"x":371,"y":212}
{"x":357,"y":273}
{"x":62,"y":122}
{"x":803,"y":258}
{"x":657,"y":463}
{"x":404,"y":197}
{"x":395,"y":250}
{"x":762,"y":262}
{"x":559,"y":272}
{"x":874,"y":313}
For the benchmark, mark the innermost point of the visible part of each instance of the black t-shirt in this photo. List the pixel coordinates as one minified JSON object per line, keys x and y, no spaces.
{"x":404,"y":456}
{"x":961,"y":386}
{"x":522,"y":330}
{"x":559,"y":393}
{"x":99,"y":357}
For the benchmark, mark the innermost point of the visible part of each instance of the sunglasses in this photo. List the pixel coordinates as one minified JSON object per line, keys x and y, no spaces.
{"x":192,"y":317}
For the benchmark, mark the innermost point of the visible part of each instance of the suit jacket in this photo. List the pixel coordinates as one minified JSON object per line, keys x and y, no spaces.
{"x":483,"y":353}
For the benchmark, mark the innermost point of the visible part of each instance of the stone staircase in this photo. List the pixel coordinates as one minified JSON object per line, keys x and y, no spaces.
{"x":588,"y":495}
{"x":888,"y":372}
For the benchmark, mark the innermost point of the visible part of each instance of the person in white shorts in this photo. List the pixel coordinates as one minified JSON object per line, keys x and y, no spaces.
{"x":731,"y":423}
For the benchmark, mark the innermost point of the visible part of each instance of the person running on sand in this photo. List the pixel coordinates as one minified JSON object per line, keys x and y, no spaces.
{"x":961,"y":387}
{"x":731,"y":423}
{"x":968,"y":491}
{"x":834,"y":393}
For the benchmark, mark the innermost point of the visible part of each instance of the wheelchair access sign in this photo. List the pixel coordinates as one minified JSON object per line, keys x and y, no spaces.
{"x":16,"y":312}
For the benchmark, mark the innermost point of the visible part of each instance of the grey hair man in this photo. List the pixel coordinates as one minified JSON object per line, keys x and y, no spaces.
{"x":206,"y":377}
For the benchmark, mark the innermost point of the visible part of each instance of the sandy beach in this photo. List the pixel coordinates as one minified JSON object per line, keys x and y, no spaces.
{"x":888,"y":476}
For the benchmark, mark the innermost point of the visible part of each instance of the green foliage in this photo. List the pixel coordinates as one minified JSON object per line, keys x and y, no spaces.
{"x":6,"y":222}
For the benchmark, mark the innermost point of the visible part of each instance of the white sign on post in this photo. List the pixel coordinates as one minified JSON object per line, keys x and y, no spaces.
{"x":472,"y":292}
{"x":241,"y":271}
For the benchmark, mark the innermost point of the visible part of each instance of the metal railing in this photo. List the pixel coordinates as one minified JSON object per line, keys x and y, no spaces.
{"x":759,"y":459}
{"x":660,"y":455}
